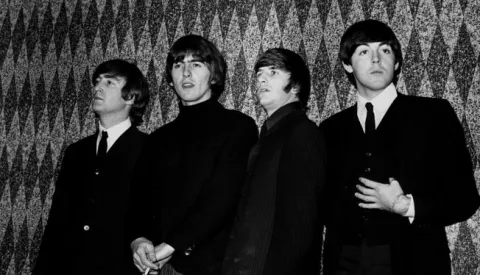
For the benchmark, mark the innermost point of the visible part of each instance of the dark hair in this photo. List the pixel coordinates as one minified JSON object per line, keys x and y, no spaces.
{"x":292,"y":63}
{"x":369,"y":31}
{"x":204,"y":50}
{"x":136,"y":85}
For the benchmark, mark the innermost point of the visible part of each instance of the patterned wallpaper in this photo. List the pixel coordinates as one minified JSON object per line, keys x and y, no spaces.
{"x":48,"y":50}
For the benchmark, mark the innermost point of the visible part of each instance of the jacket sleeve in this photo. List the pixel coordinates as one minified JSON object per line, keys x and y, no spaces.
{"x":452,"y":195}
{"x":296,"y":240}
{"x":217,"y":201}
{"x":140,"y":213}
{"x":53,"y":245}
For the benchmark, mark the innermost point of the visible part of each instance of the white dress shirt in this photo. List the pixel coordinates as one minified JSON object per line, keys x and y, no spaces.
{"x":381,"y":103}
{"x":114,"y":132}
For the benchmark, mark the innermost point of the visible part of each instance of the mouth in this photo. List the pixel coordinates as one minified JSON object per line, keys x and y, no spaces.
{"x":263,"y":90}
{"x":187,"y":85}
{"x":376,"y":72}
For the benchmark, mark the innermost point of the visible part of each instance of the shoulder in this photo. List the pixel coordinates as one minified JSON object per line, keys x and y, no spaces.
{"x":239,"y":117}
{"x":136,"y":134}
{"x":300,"y":127}
{"x":422,"y":102}
{"x":339,"y":119}
{"x":426,"y":107}
{"x":82,"y":143}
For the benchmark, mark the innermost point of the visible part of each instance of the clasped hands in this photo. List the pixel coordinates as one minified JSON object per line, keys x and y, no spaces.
{"x":145,"y":255}
{"x":384,"y":196}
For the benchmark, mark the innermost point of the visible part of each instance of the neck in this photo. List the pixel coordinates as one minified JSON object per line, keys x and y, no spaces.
{"x":110,"y":121}
{"x":370,"y":94}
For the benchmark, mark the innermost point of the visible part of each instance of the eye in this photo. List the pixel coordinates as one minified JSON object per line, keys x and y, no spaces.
{"x":387,"y":50}
{"x":197,"y":65}
{"x":176,"y":65}
{"x":363,"y":52}
{"x":273,"y":72}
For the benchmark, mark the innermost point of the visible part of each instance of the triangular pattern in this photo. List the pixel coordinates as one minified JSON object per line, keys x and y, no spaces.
{"x":49,"y":49}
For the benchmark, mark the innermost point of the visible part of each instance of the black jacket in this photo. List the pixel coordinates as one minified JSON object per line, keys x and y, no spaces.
{"x":279,"y":226}
{"x":420,"y":143}
{"x":189,"y":182}
{"x":85,"y":233}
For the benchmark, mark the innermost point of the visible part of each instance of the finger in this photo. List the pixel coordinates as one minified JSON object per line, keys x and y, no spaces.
{"x":138,"y":266}
{"x":151,"y":255}
{"x":138,"y":262}
{"x":364,"y":190}
{"x":369,"y":183}
{"x":370,"y":199}
{"x":145,"y":262}
{"x":392,"y":180}
{"x":369,"y":205}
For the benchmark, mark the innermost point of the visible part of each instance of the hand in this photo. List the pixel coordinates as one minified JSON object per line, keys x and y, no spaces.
{"x":388,"y":197}
{"x":144,"y":255}
{"x":163,"y":252}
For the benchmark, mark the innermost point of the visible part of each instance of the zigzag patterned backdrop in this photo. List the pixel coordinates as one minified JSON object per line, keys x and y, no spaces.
{"x":48,"y":50}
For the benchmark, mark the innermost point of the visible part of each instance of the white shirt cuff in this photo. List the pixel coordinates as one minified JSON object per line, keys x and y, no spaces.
{"x":411,"y":209}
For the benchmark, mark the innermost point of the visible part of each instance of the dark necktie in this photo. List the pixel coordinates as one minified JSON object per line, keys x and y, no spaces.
{"x":370,"y":121}
{"x":102,"y":148}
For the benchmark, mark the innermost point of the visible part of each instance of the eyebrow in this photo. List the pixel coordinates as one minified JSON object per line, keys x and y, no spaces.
{"x":195,"y":59}
{"x":111,"y":76}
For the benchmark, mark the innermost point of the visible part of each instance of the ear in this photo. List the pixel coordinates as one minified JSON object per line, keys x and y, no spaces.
{"x":347,"y":68}
{"x":171,"y":84}
{"x":130,"y":102}
{"x":294,"y":90}
{"x":396,"y":66}
{"x":212,"y":81}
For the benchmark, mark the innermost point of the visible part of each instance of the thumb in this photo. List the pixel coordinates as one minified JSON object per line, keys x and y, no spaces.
{"x":393,"y":181}
{"x":151,"y":255}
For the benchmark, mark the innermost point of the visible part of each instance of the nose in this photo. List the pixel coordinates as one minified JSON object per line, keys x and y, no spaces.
{"x":261,"y":78}
{"x":186,"y":70}
{"x":96,"y":88}
{"x":375,"y":57}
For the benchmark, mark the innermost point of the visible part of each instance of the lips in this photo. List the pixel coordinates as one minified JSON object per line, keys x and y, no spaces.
{"x":263,"y":90}
{"x":376,"y":72}
{"x":187,"y":85}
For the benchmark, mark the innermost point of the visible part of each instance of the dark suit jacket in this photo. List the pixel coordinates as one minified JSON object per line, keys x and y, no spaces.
{"x":191,"y":177}
{"x":284,"y":184}
{"x":85,"y":229}
{"x":423,"y":147}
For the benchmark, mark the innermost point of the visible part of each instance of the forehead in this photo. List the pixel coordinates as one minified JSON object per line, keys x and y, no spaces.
{"x":189,"y":58}
{"x":272,"y":67}
{"x":373,"y":44}
{"x":111,"y":76}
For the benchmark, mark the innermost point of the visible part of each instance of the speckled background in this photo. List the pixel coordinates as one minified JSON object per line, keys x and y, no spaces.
{"x":48,"y":50}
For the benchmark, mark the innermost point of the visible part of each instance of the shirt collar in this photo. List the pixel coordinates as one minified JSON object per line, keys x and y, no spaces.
{"x":282,"y":112}
{"x":381,"y":102}
{"x":115,"y":131}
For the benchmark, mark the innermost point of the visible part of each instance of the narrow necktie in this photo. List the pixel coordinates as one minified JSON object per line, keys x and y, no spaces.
{"x":370,"y":121}
{"x":102,"y":148}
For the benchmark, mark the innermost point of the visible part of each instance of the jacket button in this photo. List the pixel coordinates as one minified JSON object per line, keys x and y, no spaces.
{"x":367,"y":169}
{"x":97,"y":171}
{"x":86,"y":228}
{"x":368,"y":154}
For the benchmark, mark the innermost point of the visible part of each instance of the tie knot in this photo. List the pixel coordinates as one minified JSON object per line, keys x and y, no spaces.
{"x":104,"y":134}
{"x":369,"y":106}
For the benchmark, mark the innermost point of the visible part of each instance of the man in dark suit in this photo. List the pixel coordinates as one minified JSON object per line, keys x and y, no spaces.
{"x":85,"y":231}
{"x":278,"y":229}
{"x":398,"y":168}
{"x":191,"y":176}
